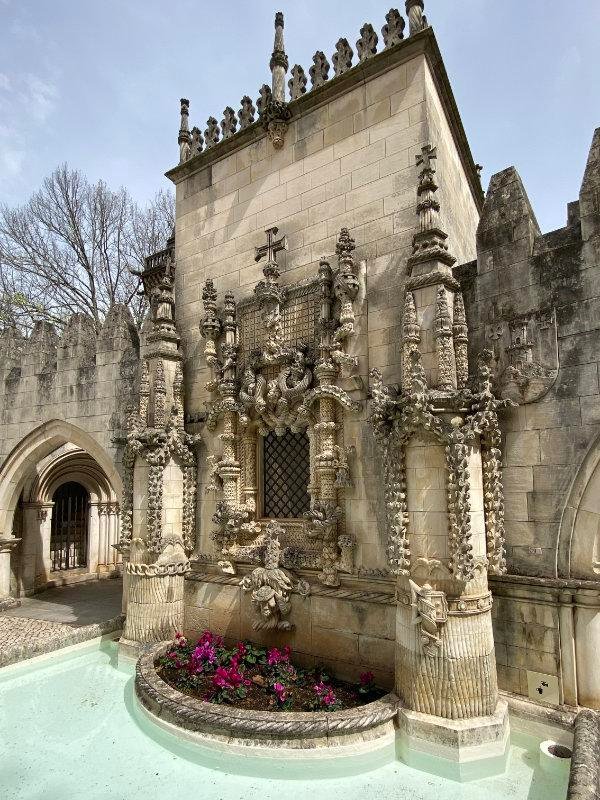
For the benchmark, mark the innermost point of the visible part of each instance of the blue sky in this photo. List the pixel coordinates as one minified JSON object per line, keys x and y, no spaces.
{"x":97,"y":84}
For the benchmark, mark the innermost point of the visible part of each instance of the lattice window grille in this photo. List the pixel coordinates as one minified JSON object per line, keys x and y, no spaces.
{"x":286,"y":475}
{"x":299,"y":319}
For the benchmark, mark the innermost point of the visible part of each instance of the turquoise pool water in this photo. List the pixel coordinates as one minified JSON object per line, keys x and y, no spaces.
{"x":70,"y":729}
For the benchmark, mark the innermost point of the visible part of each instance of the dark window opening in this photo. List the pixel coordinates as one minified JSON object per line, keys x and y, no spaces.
{"x":286,"y":475}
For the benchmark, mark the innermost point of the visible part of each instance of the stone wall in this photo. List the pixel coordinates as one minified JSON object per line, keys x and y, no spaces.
{"x":70,"y":393}
{"x":551,"y":439}
{"x":81,"y":377}
{"x":348,"y":160}
{"x":345,"y":634}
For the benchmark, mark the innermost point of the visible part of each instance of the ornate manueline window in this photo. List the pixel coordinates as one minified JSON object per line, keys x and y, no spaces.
{"x":286,"y":474}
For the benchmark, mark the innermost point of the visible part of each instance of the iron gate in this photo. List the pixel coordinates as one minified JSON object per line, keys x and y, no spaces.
{"x":69,"y":533}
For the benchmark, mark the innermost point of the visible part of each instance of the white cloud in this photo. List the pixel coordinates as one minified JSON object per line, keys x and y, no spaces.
{"x":11,"y":162}
{"x":5,"y":83}
{"x":40,"y":97}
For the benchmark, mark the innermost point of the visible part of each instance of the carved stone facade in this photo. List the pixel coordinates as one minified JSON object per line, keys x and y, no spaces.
{"x":468,"y":463}
{"x":437,"y":373}
{"x":276,"y":361}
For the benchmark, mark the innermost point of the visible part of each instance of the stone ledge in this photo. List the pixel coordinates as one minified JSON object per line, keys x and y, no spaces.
{"x":462,"y":744}
{"x":584,"y":779}
{"x":72,"y":636}
{"x":298,"y":729}
{"x":9,"y":602}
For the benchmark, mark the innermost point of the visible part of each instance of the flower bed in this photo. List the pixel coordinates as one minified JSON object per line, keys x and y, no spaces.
{"x":251,"y":677}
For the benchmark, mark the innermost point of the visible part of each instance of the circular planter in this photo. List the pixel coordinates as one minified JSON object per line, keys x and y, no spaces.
{"x":296,"y":729}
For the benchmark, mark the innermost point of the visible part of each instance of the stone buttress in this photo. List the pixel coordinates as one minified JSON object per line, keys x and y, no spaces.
{"x":158,"y":516}
{"x":440,"y":448}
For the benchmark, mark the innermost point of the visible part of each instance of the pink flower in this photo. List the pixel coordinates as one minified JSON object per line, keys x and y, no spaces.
{"x":229,"y":678}
{"x":241,"y":649}
{"x":325,"y":694}
{"x":280,"y":691}
{"x":366,"y":678}
{"x":180,"y":639}
{"x":201,"y":655}
{"x":275,"y":656}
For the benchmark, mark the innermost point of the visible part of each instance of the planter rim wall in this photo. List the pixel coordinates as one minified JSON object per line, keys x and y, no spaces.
{"x":192,"y":714}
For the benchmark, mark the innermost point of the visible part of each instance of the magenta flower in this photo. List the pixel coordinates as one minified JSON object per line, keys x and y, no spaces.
{"x":366,"y":678}
{"x":276,"y":656}
{"x":280,"y":692}
{"x":325,"y":694}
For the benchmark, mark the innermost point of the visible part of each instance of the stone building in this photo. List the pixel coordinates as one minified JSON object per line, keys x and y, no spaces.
{"x":359,"y":369}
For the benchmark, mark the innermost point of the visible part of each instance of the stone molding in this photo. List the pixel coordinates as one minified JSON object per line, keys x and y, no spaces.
{"x":170,"y":705}
{"x":316,"y":589}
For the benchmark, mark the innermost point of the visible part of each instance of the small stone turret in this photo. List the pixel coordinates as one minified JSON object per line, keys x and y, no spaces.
{"x":273,"y":109}
{"x":185,"y":138}
{"x":279,"y":62}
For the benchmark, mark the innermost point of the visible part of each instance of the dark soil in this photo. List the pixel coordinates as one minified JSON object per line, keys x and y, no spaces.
{"x":260,"y":697}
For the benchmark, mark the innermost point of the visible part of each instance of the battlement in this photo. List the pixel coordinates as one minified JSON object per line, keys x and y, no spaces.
{"x":275,"y":108}
{"x":81,"y":375}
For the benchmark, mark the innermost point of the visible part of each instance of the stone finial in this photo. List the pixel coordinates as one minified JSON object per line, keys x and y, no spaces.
{"x":417,"y":21}
{"x":429,"y":244}
{"x":184,"y":139}
{"x":411,"y":336}
{"x":344,"y":247}
{"x":246,"y":114}
{"x":446,"y":377}
{"x":366,"y":46}
{"x":197,"y":142}
{"x":264,"y":98}
{"x":228,"y":123}
{"x":460,"y":334}
{"x":342,"y":58}
{"x":211,"y":134}
{"x":393,"y":30}
{"x":297,"y":83}
{"x":279,"y":61}
{"x":319,"y":72}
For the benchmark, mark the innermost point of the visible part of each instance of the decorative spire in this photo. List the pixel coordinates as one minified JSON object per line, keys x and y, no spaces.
{"x":184,"y":139}
{"x":197,"y":142}
{"x":246,"y":112}
{"x":211,"y":134}
{"x":429,"y":244}
{"x":160,"y":391}
{"x":228,"y":123}
{"x":319,"y":72}
{"x":279,"y":61}
{"x":297,"y":83}
{"x":393,"y":30}
{"x":460,"y":333}
{"x":411,"y":336}
{"x":342,"y":58}
{"x":366,"y":46}
{"x":446,"y":362}
{"x":272,"y":107}
{"x":417,"y":21}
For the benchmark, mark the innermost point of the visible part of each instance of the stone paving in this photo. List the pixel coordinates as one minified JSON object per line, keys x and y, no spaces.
{"x":59,"y":617}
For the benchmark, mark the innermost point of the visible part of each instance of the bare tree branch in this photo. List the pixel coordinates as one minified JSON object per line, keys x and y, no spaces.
{"x":72,"y":248}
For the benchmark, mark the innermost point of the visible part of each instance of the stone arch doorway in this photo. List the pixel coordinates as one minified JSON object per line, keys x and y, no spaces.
{"x":55,"y":454}
{"x":578,"y":563}
{"x":70,"y":527}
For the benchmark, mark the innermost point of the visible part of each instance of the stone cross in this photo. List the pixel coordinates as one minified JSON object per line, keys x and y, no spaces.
{"x":272,"y":247}
{"x":427,"y":158}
